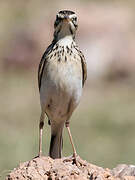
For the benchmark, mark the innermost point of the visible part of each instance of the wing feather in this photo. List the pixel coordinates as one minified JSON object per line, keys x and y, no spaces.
{"x":84,"y":69}
{"x":42,"y":63}
{"x":40,"y":70}
{"x":84,"y":65}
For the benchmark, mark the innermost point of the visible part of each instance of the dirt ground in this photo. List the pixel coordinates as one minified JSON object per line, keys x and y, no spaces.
{"x":45,"y":168}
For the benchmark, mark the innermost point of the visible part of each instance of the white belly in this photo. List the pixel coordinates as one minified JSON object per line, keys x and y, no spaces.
{"x":62,"y":83}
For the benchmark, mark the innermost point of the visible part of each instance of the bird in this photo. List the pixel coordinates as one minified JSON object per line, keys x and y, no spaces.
{"x":62,"y":74}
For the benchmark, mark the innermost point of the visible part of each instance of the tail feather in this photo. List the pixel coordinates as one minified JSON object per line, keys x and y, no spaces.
{"x":56,"y":145}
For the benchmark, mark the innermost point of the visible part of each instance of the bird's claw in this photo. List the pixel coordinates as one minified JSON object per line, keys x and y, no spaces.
{"x":75,"y":161}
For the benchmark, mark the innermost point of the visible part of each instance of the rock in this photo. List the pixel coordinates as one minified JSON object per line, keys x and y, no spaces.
{"x":46,"y":168}
{"x":124,"y":170}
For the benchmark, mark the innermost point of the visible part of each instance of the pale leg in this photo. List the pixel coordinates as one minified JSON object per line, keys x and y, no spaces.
{"x":41,"y":124}
{"x":71,"y":141}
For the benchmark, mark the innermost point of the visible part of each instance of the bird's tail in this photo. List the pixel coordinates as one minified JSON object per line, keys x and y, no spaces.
{"x":56,"y":144}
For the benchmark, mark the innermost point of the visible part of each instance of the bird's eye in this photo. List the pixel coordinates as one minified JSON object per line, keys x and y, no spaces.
{"x":74,"y":21}
{"x":57,"y":21}
{"x":57,"y":18}
{"x":74,"y":18}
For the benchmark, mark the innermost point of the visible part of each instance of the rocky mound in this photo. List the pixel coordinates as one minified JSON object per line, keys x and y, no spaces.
{"x":45,"y":168}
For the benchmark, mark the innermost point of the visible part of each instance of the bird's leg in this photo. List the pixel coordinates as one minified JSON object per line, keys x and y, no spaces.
{"x":41,"y":124}
{"x":71,"y":141}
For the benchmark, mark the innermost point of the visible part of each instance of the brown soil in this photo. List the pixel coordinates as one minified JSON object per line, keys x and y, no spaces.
{"x":45,"y":168}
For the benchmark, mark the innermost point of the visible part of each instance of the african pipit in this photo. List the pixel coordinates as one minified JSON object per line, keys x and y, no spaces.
{"x":61,"y":76}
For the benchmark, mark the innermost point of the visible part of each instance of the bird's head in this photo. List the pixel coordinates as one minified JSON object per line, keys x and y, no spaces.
{"x":65,"y":24}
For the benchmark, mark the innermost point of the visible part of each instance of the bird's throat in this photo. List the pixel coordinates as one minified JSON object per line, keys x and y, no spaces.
{"x":65,"y":41}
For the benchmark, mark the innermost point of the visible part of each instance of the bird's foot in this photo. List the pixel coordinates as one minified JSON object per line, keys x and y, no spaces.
{"x":74,"y":159}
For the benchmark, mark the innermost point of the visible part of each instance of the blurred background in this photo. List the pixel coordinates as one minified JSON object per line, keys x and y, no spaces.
{"x":103,"y":126}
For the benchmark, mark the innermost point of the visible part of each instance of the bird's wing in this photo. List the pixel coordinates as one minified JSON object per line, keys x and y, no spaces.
{"x":84,"y":66}
{"x":42,"y":64}
{"x":40,"y":69}
{"x":84,"y":69}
